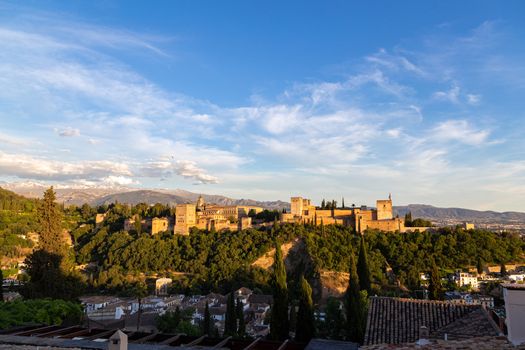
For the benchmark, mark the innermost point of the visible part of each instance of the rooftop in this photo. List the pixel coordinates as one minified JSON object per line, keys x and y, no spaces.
{"x":397,"y":321}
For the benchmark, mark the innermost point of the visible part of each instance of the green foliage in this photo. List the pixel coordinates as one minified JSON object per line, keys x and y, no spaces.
{"x":206,"y":322}
{"x":305,"y":328}
{"x":435,"y":289}
{"x":333,"y":326}
{"x":49,"y":218}
{"x":362,"y":268}
{"x":230,"y":323}
{"x":168,"y":322}
{"x":47,"y":280}
{"x":356,"y":305}
{"x":1,"y":287}
{"x":267,"y":215}
{"x":239,"y":315}
{"x":39,"y":311}
{"x":279,"y":316}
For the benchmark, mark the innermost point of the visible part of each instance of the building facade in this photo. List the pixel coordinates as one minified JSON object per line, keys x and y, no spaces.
{"x":212,"y":217}
{"x":380,"y":218}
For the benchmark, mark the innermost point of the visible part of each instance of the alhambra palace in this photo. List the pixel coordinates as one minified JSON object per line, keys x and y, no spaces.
{"x":210,"y":216}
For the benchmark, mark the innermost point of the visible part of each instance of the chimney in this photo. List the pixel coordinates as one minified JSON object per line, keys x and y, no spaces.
{"x":423,"y":336}
{"x":118,"y":341}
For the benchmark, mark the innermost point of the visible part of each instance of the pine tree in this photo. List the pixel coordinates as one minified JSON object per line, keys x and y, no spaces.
{"x":305,"y":328}
{"x":49,"y":219}
{"x":362,"y":268}
{"x":206,"y":322}
{"x":435,"y":290}
{"x":239,"y":311}
{"x":355,"y":304}
{"x":230,"y":324}
{"x":279,"y":326}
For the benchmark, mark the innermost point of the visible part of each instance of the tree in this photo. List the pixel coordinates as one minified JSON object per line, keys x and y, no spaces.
{"x":230,"y":324}
{"x":46,"y":278}
{"x":343,"y":202}
{"x":503,"y":270}
{"x":480,"y":266}
{"x":323,"y":204}
{"x":139,"y":291}
{"x":169,"y":322}
{"x":239,"y":311}
{"x":408,"y":219}
{"x":355,"y":306}
{"x":206,"y":322}
{"x":334,"y":318}
{"x":49,"y":219}
{"x":279,"y":326}
{"x":362,"y":268}
{"x":305,"y":328}
{"x":1,"y":286}
{"x":435,"y":289}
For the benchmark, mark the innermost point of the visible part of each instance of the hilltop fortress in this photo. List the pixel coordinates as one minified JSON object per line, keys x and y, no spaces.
{"x":381,"y":218}
{"x":216,"y":217}
{"x":234,"y":217}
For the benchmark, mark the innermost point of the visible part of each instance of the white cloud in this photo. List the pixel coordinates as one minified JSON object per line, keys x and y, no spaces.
{"x":451,"y":95}
{"x":461,"y":131}
{"x":69,"y":132}
{"x":189,"y":169}
{"x":473,"y":99}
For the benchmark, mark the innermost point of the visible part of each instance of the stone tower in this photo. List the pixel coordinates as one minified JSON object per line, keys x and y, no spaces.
{"x":118,"y":341}
{"x":185,"y":217}
{"x":200,"y":203}
{"x":384,"y":209}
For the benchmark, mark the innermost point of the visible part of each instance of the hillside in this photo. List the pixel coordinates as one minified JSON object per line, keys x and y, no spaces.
{"x":459,"y":214}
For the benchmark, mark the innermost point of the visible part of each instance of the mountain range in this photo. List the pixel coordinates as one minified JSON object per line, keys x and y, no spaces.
{"x":97,"y":196}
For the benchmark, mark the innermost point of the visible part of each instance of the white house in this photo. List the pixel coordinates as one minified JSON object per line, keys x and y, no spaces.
{"x":514,"y":295}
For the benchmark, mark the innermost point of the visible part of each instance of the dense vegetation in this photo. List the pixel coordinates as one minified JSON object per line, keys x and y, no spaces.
{"x":17,"y":217}
{"x":39,"y":311}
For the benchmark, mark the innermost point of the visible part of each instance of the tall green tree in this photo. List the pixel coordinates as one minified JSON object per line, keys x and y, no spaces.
{"x":503,"y":270}
{"x":343,"y":202}
{"x":305,"y":328}
{"x":241,"y":325}
{"x":355,"y":304}
{"x":49,"y":218}
{"x":435,"y":289}
{"x":480,"y":266}
{"x":408,"y":219}
{"x":279,"y":326}
{"x":363,"y":270}
{"x":206,"y":322}
{"x":1,"y":286}
{"x":334,"y":319}
{"x":230,"y":323}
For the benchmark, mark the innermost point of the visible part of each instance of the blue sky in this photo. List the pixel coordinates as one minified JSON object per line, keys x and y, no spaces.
{"x":268,"y":99}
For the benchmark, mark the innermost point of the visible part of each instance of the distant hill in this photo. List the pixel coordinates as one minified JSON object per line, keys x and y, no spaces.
{"x":181,"y":196}
{"x":458,"y":214}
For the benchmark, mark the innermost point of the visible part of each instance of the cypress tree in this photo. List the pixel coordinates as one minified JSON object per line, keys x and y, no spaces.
{"x":343,"y":203}
{"x":305,"y":328}
{"x":241,"y":326}
{"x":480,"y":265}
{"x":279,"y":326}
{"x":435,"y":290}
{"x":323,"y":204}
{"x":362,"y":268}
{"x":408,"y":219}
{"x":503,"y":270}
{"x":230,"y":324}
{"x":1,"y":286}
{"x":206,"y":323}
{"x":355,"y":304}
{"x":49,"y":219}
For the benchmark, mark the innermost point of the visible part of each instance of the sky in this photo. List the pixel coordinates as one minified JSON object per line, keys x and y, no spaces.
{"x":269,"y":99}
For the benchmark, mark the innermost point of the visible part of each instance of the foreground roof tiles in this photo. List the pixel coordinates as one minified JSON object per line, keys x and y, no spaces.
{"x":396,"y":320}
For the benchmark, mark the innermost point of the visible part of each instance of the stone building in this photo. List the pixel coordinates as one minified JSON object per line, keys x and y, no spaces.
{"x":212,"y":217}
{"x":159,"y":225}
{"x":381,"y":218}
